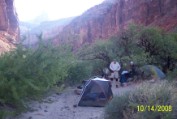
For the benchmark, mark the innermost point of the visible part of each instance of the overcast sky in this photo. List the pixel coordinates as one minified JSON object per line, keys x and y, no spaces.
{"x":55,"y":9}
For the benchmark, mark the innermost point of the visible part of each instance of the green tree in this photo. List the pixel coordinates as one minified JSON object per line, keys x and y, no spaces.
{"x":161,"y":46}
{"x":101,"y":50}
{"x":126,"y":48}
{"x":122,"y":47}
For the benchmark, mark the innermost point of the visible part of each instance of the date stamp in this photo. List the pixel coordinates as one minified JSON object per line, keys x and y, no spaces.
{"x":154,"y":108}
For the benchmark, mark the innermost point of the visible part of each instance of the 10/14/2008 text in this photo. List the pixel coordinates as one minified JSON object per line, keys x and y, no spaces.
{"x":154,"y":108}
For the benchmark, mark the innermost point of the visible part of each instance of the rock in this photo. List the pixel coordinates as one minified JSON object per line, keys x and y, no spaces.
{"x":75,"y":105}
{"x":58,"y":93}
{"x":78,"y":91}
{"x":111,"y":17}
{"x":9,"y":29}
{"x":30,"y":117}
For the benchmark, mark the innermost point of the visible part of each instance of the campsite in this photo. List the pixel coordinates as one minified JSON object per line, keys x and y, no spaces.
{"x":96,"y":97}
{"x":66,"y":104}
{"x":62,"y":106}
{"x":113,"y":59}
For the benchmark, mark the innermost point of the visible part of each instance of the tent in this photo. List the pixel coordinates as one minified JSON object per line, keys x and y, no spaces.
{"x":97,"y":92}
{"x":153,"y":70}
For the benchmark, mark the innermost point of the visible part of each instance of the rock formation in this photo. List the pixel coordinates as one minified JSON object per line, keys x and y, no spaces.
{"x":108,"y":18}
{"x":48,"y":29}
{"x":9,"y":30}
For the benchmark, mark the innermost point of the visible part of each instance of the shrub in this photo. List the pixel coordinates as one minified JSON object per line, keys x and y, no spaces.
{"x":126,"y":106}
{"x":117,"y":107}
{"x":100,"y":50}
{"x":81,"y":70}
{"x":27,"y":73}
{"x":172,"y":75}
{"x":84,"y":70}
{"x":5,"y":113}
{"x":122,"y":47}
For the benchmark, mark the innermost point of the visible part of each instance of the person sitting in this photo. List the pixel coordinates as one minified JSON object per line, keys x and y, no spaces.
{"x":123,"y":77}
{"x":106,"y":73}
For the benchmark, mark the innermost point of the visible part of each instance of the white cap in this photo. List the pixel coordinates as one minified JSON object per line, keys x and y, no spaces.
{"x":131,"y":62}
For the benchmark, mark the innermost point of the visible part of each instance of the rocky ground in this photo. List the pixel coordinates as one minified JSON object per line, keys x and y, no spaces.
{"x":63,"y":106}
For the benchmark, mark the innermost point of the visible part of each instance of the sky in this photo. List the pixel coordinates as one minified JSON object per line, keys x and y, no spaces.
{"x":28,"y":10}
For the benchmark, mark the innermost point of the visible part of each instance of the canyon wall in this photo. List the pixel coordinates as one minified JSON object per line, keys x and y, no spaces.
{"x":110,"y":17}
{"x":9,"y":30}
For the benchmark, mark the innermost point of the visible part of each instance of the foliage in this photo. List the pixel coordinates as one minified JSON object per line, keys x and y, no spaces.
{"x":172,"y":75}
{"x":125,"y":42}
{"x":126,"y":105}
{"x":127,"y":48}
{"x":162,"y":47}
{"x":122,"y":47}
{"x":115,"y":109}
{"x":26,"y":73}
{"x":5,"y":113}
{"x":81,"y":70}
{"x":97,"y":55}
{"x":100,"y":50}
{"x":140,"y":44}
{"x":84,"y":70}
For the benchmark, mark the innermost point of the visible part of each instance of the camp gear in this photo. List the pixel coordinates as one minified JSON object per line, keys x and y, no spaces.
{"x":153,"y":71}
{"x":123,"y":77}
{"x":97,"y":92}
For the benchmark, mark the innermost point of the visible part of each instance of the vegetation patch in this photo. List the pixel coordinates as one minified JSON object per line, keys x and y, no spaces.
{"x":152,"y":98}
{"x":27,"y":73}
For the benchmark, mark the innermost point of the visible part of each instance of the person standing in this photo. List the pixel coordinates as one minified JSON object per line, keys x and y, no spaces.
{"x":132,"y":71}
{"x":115,"y":67}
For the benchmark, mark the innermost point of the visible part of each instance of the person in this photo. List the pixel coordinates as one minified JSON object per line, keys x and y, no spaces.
{"x":115,"y":67}
{"x":132,"y":71}
{"x":123,"y":77}
{"x":106,"y":73}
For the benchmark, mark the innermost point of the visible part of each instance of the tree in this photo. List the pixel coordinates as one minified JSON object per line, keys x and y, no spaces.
{"x":126,"y":48}
{"x":122,"y":47}
{"x":101,"y":50}
{"x":161,"y":46}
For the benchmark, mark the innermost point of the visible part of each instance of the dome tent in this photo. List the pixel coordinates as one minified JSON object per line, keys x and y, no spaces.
{"x":153,"y":70}
{"x":97,"y":92}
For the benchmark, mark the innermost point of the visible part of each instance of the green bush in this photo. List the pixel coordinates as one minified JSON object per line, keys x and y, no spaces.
{"x":161,"y":47}
{"x":84,"y":70}
{"x":98,"y":66}
{"x":172,"y":75}
{"x":100,"y":50}
{"x":27,"y":73}
{"x":81,"y":70}
{"x":5,"y":113}
{"x":123,"y":47}
{"x":117,"y":107}
{"x":147,"y":94}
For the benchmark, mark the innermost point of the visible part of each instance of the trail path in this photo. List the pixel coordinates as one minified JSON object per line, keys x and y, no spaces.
{"x":61,"y":106}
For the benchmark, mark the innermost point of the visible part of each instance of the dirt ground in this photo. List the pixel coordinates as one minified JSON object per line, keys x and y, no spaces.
{"x":62,"y":106}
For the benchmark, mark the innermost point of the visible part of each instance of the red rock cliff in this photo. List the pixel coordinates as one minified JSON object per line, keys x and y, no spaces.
{"x":108,"y":18}
{"x":9,"y":30}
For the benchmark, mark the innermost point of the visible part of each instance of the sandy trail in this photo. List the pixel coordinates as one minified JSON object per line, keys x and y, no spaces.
{"x":61,"y":106}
